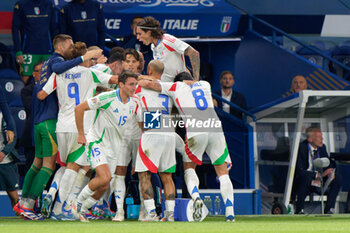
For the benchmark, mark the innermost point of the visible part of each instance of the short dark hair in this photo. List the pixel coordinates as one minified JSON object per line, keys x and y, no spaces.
{"x":40,"y":62}
{"x":151,"y":24}
{"x":226,"y":72}
{"x":131,"y":52}
{"x":59,"y":39}
{"x":116,"y":50}
{"x":115,"y":57}
{"x":125,"y":75}
{"x":183,"y":76}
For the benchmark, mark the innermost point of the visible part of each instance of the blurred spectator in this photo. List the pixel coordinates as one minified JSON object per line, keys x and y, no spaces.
{"x":33,"y":27}
{"x":27,"y":140}
{"x":308,"y":177}
{"x":130,"y":41}
{"x":8,"y":155}
{"x":84,"y":21}
{"x":299,"y":83}
{"x":227,"y":81}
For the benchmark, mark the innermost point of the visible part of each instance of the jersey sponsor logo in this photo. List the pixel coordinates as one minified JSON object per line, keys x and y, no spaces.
{"x":94,"y":100}
{"x":83,"y":15}
{"x":9,"y":87}
{"x":36,"y":10}
{"x":225,"y":24}
{"x":152,"y":120}
{"x":116,"y":110}
{"x":180,"y":24}
{"x":113,"y":23}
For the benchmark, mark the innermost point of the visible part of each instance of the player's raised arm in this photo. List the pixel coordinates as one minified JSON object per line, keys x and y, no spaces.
{"x":79,"y":120}
{"x":154,"y":85}
{"x":195,"y":61}
{"x":114,"y":79}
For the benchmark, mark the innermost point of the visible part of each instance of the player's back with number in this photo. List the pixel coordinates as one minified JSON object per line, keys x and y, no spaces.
{"x":73,"y":87}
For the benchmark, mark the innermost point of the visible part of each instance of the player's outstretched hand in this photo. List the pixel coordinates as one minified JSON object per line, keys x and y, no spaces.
{"x":81,"y":139}
{"x":92,"y":54}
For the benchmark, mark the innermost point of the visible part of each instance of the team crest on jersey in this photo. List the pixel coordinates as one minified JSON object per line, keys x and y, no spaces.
{"x":83,"y":15}
{"x":225,"y":24}
{"x":94,"y":100}
{"x":36,"y":10}
{"x":152,"y":120}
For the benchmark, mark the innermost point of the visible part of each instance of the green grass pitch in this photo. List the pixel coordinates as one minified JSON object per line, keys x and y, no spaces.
{"x":268,"y":224}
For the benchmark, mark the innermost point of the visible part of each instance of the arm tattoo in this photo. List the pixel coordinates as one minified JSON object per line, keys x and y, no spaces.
{"x":195,"y":61}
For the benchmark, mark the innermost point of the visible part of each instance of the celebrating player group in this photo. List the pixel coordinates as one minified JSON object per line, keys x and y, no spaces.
{"x":106,"y":114}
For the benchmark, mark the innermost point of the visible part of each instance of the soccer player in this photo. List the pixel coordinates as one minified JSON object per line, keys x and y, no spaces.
{"x":168,"y":49}
{"x":115,"y":109}
{"x":130,"y":140}
{"x":45,"y":118}
{"x":33,"y":27}
{"x":156,"y":152}
{"x":73,"y":86}
{"x":193,"y":100}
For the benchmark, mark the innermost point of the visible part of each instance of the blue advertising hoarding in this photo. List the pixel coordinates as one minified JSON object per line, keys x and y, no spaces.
{"x":208,"y":18}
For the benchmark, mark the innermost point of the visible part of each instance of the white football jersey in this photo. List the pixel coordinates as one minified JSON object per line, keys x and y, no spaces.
{"x":103,"y":68}
{"x":195,"y":105}
{"x":153,"y":101}
{"x":74,"y":87}
{"x":170,"y":50}
{"x":112,"y":113}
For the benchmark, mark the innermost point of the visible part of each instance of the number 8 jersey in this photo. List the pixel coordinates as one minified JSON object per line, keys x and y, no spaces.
{"x":73,"y":87}
{"x":195,"y":105}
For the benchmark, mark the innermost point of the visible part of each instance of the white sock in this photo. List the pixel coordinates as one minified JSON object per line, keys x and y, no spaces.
{"x":29,"y":203}
{"x":55,"y":182}
{"x":88,"y":203}
{"x":75,"y":189}
{"x":170,"y":205}
{"x":66,"y":184}
{"x":119,"y":192}
{"x":192,"y":182}
{"x":226,"y":189}
{"x":85,"y":194}
{"x":149,"y":205}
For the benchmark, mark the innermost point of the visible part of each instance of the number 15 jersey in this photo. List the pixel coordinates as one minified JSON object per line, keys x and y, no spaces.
{"x":74,"y":87}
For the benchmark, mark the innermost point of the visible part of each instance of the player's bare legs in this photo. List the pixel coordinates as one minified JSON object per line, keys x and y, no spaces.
{"x":148,"y":195}
{"x":92,"y":192}
{"x":169,"y":193}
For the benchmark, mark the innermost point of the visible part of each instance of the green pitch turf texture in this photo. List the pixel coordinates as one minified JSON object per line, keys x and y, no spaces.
{"x":268,"y":224}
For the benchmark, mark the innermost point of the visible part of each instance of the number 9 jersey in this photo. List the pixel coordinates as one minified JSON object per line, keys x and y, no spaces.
{"x":73,"y":87}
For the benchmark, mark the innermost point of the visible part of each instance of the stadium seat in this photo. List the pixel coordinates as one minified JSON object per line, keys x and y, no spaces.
{"x":341,"y":54}
{"x":12,"y":89}
{"x":19,"y":115}
{"x":7,"y":59}
{"x":9,"y":74}
{"x":312,"y":56}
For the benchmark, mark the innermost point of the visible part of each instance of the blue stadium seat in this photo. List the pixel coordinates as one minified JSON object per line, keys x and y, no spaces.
{"x":342,"y":54}
{"x":7,"y":59}
{"x":9,"y":74}
{"x":19,"y":115}
{"x":12,"y":89}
